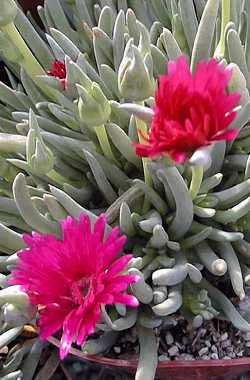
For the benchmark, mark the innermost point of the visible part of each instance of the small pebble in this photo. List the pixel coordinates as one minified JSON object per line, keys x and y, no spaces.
{"x":240,"y":353}
{"x":203,"y":351}
{"x":163,"y":358}
{"x":197,"y":321}
{"x":169,"y":338}
{"x":246,"y":336}
{"x":202,"y":332}
{"x":205,"y":357}
{"x":224,"y":337}
{"x":179,"y":345}
{"x":170,"y":322}
{"x":208,"y":343}
{"x":214,"y":349}
{"x":214,"y":356}
{"x":174,"y":350}
{"x":226,"y":343}
{"x":186,"y":357}
{"x":117,"y":350}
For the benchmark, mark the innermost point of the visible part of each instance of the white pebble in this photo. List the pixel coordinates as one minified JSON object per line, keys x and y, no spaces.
{"x":224,"y":337}
{"x":226,"y":343}
{"x":214,"y":356}
{"x":173,"y":351}
{"x":186,"y":357}
{"x":205,"y":357}
{"x":247,"y":336}
{"x":169,"y":338}
{"x":117,"y":350}
{"x":203,"y":351}
{"x":163,"y":358}
{"x":202,"y":332}
{"x":214,"y":349}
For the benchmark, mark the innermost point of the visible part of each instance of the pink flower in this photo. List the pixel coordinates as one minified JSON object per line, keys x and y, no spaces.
{"x":190,"y":111}
{"x":58,"y":70}
{"x":69,"y":279}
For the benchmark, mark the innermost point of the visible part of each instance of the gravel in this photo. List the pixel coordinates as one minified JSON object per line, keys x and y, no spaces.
{"x":178,"y":341}
{"x":214,"y":340}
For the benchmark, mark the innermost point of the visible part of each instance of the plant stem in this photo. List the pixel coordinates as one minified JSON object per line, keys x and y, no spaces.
{"x":226,"y":14}
{"x":104,"y":142}
{"x":197,"y":176}
{"x":142,"y":130}
{"x":28,"y":62}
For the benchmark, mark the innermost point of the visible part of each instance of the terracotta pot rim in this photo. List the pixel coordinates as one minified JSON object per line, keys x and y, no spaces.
{"x":164,"y":364}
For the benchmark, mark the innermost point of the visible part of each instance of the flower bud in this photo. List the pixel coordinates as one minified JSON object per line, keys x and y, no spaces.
{"x":39,"y":157}
{"x":135,"y":75}
{"x":8,"y":12}
{"x":94,"y":107}
{"x":238,"y":83}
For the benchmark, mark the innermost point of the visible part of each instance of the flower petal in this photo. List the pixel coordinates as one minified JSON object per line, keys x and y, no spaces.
{"x":190,"y":111}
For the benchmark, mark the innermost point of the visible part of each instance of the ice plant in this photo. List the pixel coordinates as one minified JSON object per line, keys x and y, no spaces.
{"x":191,"y":111}
{"x":63,"y":152}
{"x":58,"y":70}
{"x":69,"y":279}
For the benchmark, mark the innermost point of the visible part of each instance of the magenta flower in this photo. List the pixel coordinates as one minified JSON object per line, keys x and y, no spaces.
{"x":69,"y":279}
{"x":58,"y":70}
{"x":191,"y":111}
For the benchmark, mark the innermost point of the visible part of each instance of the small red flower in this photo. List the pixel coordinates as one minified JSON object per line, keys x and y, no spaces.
{"x":69,"y":279}
{"x":190,"y":111}
{"x":58,"y":70}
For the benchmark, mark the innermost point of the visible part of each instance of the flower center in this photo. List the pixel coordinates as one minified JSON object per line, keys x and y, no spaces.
{"x":80,"y":289}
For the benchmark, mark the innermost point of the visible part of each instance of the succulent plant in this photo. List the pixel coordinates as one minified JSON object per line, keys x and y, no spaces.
{"x":66,"y":149}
